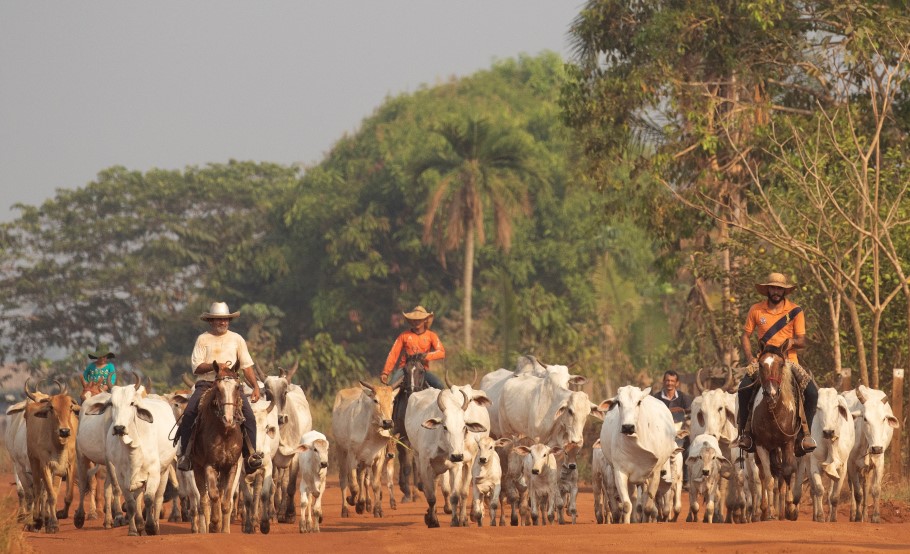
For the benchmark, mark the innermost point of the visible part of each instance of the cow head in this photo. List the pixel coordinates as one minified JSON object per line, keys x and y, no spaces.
{"x":706,"y":460}
{"x":319,"y":455}
{"x":628,"y":401}
{"x":453,"y":403}
{"x":127,"y":404}
{"x":570,"y":458}
{"x":276,"y":390}
{"x":486,"y":450}
{"x":831,"y":414}
{"x":570,"y":418}
{"x":537,"y":457}
{"x":382,"y":397}
{"x":61,"y":411}
{"x":878,"y":421}
{"x":715,"y":412}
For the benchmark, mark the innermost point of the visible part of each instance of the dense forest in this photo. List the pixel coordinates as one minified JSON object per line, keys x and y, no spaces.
{"x":612,"y":211}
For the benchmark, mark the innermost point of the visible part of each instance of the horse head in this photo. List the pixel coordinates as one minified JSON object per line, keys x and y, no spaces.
{"x":773,"y":372}
{"x":226,"y":399}
{"x":414,"y":374}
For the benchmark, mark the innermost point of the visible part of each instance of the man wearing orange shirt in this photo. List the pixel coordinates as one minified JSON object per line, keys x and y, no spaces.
{"x":776,"y":320}
{"x":419,"y":340}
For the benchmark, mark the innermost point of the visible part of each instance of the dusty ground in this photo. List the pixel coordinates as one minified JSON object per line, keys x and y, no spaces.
{"x":403,"y":530}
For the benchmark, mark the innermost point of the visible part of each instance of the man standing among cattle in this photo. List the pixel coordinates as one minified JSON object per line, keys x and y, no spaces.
{"x":418,"y":340}
{"x":218,"y":344}
{"x":776,"y":319}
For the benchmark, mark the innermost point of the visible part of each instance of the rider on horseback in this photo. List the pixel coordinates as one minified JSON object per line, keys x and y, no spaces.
{"x":219,"y":345}
{"x":776,"y":319}
{"x":419,"y":340}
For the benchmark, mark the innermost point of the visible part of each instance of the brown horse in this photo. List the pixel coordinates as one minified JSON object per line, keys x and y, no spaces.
{"x":414,"y":381}
{"x":774,"y":428}
{"x":216,"y":446}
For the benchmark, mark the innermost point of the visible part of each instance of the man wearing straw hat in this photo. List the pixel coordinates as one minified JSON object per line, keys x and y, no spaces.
{"x":218,"y":344}
{"x":418,"y":340}
{"x":100,"y":368}
{"x":776,"y":320}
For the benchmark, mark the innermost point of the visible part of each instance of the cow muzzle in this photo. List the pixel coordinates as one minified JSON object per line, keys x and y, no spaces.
{"x":482,"y":460}
{"x":64,"y":433}
{"x":323,"y":465}
{"x":876,"y":450}
{"x":282,"y":419}
{"x":119,"y":430}
{"x":390,"y":455}
{"x":456,"y":457}
{"x":705,"y":472}
{"x":386,"y":424}
{"x":535,"y":471}
{"x":572,"y":467}
{"x":628,"y":429}
{"x":828,"y":434}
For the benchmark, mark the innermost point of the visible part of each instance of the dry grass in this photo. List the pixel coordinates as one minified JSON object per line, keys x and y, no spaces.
{"x":895,"y":489}
{"x":12,"y":539}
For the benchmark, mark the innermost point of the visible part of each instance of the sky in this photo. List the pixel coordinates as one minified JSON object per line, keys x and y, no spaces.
{"x":169,"y":84}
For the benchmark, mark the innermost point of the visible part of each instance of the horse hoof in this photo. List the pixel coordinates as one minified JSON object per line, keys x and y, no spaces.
{"x":62,"y":514}
{"x":431,"y":521}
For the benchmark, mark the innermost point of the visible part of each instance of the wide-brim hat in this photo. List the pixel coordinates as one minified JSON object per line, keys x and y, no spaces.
{"x":775,"y":280}
{"x":103,"y":351}
{"x":419,"y":314}
{"x":219,"y":310}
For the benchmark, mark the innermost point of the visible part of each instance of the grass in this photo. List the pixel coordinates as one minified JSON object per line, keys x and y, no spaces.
{"x":895,"y":489}
{"x":12,"y":539}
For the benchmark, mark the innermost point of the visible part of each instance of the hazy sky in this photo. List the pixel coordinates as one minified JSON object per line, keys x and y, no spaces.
{"x":90,"y":84}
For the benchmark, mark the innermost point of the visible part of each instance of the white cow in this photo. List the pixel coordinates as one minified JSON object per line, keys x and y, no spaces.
{"x":361,"y":429}
{"x":139,"y":449}
{"x":874,"y":425}
{"x":541,"y":472}
{"x":514,"y":489}
{"x":669,"y":492}
{"x":834,"y":432}
{"x":637,"y":438}
{"x":256,"y":488}
{"x":542,"y":407}
{"x":707,"y":465}
{"x":486,"y":479}
{"x":294,"y":421}
{"x":599,"y":484}
{"x":16,"y":441}
{"x":439,"y":425}
{"x":568,"y":482}
{"x":91,"y":450}
{"x":713,"y":412}
{"x":313,"y":461}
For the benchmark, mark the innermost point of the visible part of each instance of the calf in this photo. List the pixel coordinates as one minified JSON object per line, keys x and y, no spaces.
{"x":568,"y":481}
{"x":486,"y":478}
{"x":256,"y":487}
{"x":669,"y":492}
{"x":541,"y":472}
{"x":706,"y":467}
{"x":514,"y":489}
{"x":313,"y":461}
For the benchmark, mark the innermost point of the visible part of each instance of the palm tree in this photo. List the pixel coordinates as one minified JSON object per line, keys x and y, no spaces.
{"x":479,"y":165}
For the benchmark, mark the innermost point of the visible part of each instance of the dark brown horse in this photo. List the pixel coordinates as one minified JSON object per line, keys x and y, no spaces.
{"x":413,"y":382}
{"x":774,"y":428}
{"x":216,"y":446}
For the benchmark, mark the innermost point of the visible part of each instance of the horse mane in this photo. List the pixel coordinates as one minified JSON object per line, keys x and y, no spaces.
{"x":787,"y":394}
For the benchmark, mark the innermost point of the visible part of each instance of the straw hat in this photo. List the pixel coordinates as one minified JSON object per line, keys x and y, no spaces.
{"x":219,"y":310}
{"x":417,"y":315}
{"x":775,"y":280}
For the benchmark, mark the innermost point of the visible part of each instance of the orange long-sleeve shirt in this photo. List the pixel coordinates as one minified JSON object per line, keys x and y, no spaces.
{"x":427,"y":343}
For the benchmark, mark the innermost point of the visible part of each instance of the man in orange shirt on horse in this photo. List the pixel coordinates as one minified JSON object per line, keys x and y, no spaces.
{"x":419,"y":340}
{"x":776,"y":320}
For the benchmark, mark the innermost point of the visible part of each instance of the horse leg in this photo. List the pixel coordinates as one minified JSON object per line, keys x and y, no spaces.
{"x":764,"y":472}
{"x":404,"y":473}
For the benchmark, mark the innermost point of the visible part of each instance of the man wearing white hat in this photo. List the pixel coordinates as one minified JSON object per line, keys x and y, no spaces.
{"x":419,"y":340}
{"x":776,"y":320}
{"x":218,"y":344}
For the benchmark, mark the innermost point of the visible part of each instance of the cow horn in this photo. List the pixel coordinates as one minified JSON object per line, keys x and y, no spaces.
{"x":474,"y":381}
{"x":439,"y":401}
{"x":271,"y":406}
{"x":61,"y":387}
{"x":698,"y":382}
{"x":446,"y":375}
{"x":367,"y":386}
{"x":28,"y":393}
{"x":187,"y":380}
{"x":729,"y":381}
{"x":259,"y":374}
{"x":467,"y":400}
{"x":293,"y":370}
{"x":860,"y":396}
{"x":148,"y":384}
{"x":281,"y":372}
{"x":136,"y":381}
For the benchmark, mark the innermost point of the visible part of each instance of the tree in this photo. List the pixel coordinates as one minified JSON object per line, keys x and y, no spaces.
{"x":479,"y":165}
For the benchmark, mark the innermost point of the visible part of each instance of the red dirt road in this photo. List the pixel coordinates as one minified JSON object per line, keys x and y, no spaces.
{"x":403,"y":530}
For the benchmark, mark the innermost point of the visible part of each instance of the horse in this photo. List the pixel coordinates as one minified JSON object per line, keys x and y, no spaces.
{"x":774,"y":427}
{"x":413,"y":382}
{"x":217,"y":442}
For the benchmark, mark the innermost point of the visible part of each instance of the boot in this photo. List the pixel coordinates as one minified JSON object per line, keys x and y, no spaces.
{"x":252,"y":462}
{"x":745,"y":442}
{"x":808,"y":444}
{"x":184,"y":462}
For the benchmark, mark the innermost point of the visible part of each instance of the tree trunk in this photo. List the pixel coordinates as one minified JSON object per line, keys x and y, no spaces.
{"x":859,"y":341}
{"x":468,"y":283}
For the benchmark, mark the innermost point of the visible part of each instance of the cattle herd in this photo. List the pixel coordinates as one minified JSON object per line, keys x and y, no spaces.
{"x":508,"y":446}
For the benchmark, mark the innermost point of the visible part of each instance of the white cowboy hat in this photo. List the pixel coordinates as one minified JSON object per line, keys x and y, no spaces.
{"x":219,"y":310}
{"x":775,"y":280}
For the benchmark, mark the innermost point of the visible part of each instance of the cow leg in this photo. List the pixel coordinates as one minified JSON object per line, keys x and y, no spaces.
{"x":82,"y":480}
{"x":344,"y":481}
{"x":376,"y":471}
{"x":876,"y":485}
{"x":290,"y":513}
{"x":477,"y":506}
{"x":389,"y":465}
{"x":428,"y":479}
{"x":362,"y":486}
{"x":246,"y":493}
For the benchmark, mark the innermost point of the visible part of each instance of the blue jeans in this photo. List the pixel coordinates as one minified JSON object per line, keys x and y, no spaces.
{"x":431,"y":378}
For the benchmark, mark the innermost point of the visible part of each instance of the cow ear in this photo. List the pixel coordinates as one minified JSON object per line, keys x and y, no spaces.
{"x":432,"y":423}
{"x":302,"y":448}
{"x":476,"y":427}
{"x":144,"y":415}
{"x":559,"y":412}
{"x":76,"y":407}
{"x":595,"y":411}
{"x":731,"y":416}
{"x":321,"y":443}
{"x":97,"y":408}
{"x":482,"y":399}
{"x":556,"y":450}
{"x":606,"y":405}
{"x":844,"y":412}
{"x":503,"y":442}
{"x":892,"y":421}
{"x":677,"y":450}
{"x":523,"y":450}
{"x":700,"y":418}
{"x":682,"y":433}
{"x":578,"y":380}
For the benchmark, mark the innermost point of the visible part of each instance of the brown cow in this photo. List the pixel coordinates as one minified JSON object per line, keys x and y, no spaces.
{"x":51,"y":424}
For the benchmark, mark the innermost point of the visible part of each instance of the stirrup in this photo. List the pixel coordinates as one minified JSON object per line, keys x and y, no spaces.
{"x":184,"y":462}
{"x":808,"y":444}
{"x":745,"y":442}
